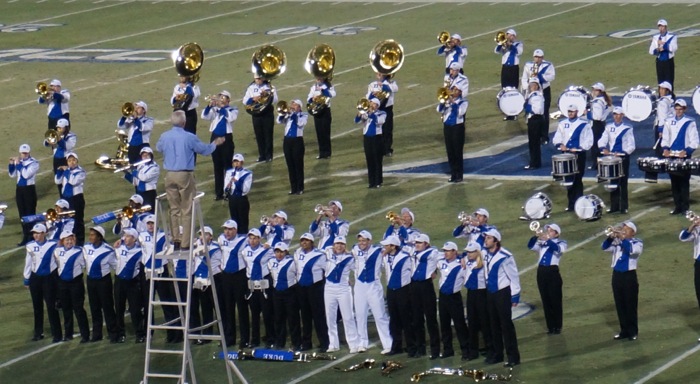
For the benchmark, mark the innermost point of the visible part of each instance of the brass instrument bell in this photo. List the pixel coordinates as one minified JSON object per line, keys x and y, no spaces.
{"x":386,"y":57}
{"x":463,"y":216}
{"x":443,"y":37}
{"x":128,"y":109}
{"x":392,"y":216}
{"x":363,"y":105}
{"x":268,"y":62}
{"x":188,"y":60}
{"x":690,"y":215}
{"x":320,"y":61}
{"x":52,"y":136}
{"x":443,"y":95}
{"x":3,"y":207}
{"x":282,"y":107}
{"x":390,"y":366}
{"x":501,"y":38}
{"x":42,"y":89}
{"x":319,"y":209}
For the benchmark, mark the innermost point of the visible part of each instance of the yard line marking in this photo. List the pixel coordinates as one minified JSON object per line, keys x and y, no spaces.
{"x":494,"y":186}
{"x":353,"y":181}
{"x":149,"y":82}
{"x":28,"y":355}
{"x":541,"y":187}
{"x":592,"y":187}
{"x":691,"y":5}
{"x":666,"y":366}
{"x":656,"y":5}
{"x":224,"y":82}
{"x":407,"y":87}
{"x":324,"y":367}
{"x":640,"y":189}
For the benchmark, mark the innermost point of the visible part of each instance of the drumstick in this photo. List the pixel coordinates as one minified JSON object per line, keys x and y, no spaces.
{"x":657,"y":143}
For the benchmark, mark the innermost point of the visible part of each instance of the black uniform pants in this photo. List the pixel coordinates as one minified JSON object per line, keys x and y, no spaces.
{"x":535,"y":133}
{"x":263,"y":126}
{"x":478,"y":318}
{"x":72,"y":296}
{"x":502,"y":327}
{"x":374,"y":156}
{"x":100,"y":294}
{"x":129,"y":290}
{"x":262,"y":304}
{"x":510,"y":76}
{"x":598,"y":128}
{"x":149,"y":198}
{"x":294,"y":149}
{"x":399,"y":305}
{"x":576,"y":189}
{"x":322,"y":122}
{"x":221,"y":158}
{"x":313,"y":310}
{"x":424,"y":310}
{"x":697,"y":280}
{"x":25,"y":197}
{"x":43,"y":290}
{"x":77,"y":203}
{"x":388,"y":130}
{"x":454,"y":145}
{"x":626,"y":294}
{"x":235,"y":289}
{"x":239,"y":210}
{"x":550,"y":284}
{"x":547,"y":93}
{"x":286,"y":308}
{"x":202,"y":310}
{"x":452,"y":311}
{"x":619,"y":196}
{"x":191,"y":121}
{"x":680,"y":188}
{"x":665,"y":71}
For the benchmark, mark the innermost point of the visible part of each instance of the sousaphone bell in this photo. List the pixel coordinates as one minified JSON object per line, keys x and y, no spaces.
{"x":320,"y":63}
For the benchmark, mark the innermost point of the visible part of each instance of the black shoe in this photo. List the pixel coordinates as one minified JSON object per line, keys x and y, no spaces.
{"x":458,"y":180}
{"x":56,"y":340}
{"x":511,"y":364}
{"x":530,"y":167}
{"x":492,"y":361}
{"x":451,"y":180}
{"x":623,"y":211}
{"x":392,"y":353}
{"x":620,"y":336}
{"x":470,"y":357}
{"x":557,"y":331}
{"x":269,"y":159}
{"x":446,"y":355}
{"x":292,"y":193}
{"x":218,"y":198}
{"x":121,"y":339}
{"x":202,"y":342}
{"x":95,"y":339}
{"x":433,"y":357}
{"x":610,"y":210}
{"x":176,"y":245}
{"x":84,"y":340}
{"x":550,"y":331}
{"x":544,"y":141}
{"x":300,"y":192}
{"x":140,"y":340}
{"x":589,"y":167}
{"x":260,"y":159}
{"x":68,"y":338}
{"x":632,"y":338}
{"x":37,"y":337}
{"x":676,"y":212}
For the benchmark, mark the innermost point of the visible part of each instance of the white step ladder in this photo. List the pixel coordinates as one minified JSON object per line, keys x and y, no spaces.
{"x":182,"y":322}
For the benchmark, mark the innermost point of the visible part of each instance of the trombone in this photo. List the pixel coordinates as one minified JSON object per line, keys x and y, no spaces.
{"x":126,"y":211}
{"x":130,"y":166}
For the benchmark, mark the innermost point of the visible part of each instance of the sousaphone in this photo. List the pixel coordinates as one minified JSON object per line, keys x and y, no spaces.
{"x":268,"y":62}
{"x":320,"y":63}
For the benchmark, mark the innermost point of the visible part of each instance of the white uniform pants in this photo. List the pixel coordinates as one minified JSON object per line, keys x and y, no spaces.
{"x":340,"y":296}
{"x":371,"y":296}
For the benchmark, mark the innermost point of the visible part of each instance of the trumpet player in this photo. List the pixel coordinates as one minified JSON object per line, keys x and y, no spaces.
{"x":71,"y":180}
{"x":137,"y":221}
{"x":453,"y":112}
{"x":277,"y":229}
{"x":452,"y":278}
{"x":186,"y":98}
{"x":534,"y":108}
{"x":550,"y":248}
{"x":57,"y":100}
{"x":384,"y":88}
{"x":373,"y":120}
{"x":454,"y":52}
{"x":295,"y":120}
{"x":544,"y":72}
{"x":625,"y":249}
{"x":574,"y":135}
{"x":424,"y":262}
{"x":238,"y":181}
{"x":127,"y":285}
{"x":331,"y":227}
{"x":324,"y":118}
{"x":679,"y":140}
{"x":692,"y":233}
{"x":401,"y":226}
{"x":144,"y":177}
{"x":474,"y":226}
{"x":510,"y":52}
{"x":24,"y":167}
{"x":664,"y":46}
{"x":222,"y":116}
{"x":618,"y":140}
{"x":64,"y":223}
{"x":139,"y":128}
{"x":477,"y":311}
{"x":64,"y":144}
{"x":70,"y":262}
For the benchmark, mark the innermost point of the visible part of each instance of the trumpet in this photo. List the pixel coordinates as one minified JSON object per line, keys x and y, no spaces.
{"x":52,"y":136}
{"x":535,"y":227}
{"x":612,"y":231}
{"x":501,"y":38}
{"x":211,"y":98}
{"x":43,"y":90}
{"x":130,"y":166}
{"x":443,"y":37}
{"x":368,"y":364}
{"x":265,"y":220}
{"x":128,"y":109}
{"x":282,"y":107}
{"x":390,"y":366}
{"x":443,"y":95}
{"x":363,"y":105}
{"x":319,"y":209}
{"x":690,"y":215}
{"x":464,"y":216}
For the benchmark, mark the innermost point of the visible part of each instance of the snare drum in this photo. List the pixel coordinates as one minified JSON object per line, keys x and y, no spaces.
{"x":564,"y":167}
{"x":678,"y":166}
{"x":538,"y":206}
{"x":510,"y":101}
{"x":576,"y":95}
{"x":638,"y":103}
{"x":696,"y":99}
{"x":610,"y":167}
{"x":589,"y":207}
{"x":651,"y":166}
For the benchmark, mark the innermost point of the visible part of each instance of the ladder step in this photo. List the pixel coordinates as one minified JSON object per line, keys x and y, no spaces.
{"x":177,"y":255}
{"x":174,"y":303}
{"x":165,"y":375}
{"x":183,"y":279}
{"x":166,"y":351}
{"x":203,"y":337}
{"x":168,"y":327}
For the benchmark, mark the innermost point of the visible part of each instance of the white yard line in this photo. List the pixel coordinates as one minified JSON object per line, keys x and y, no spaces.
{"x":668,"y":365}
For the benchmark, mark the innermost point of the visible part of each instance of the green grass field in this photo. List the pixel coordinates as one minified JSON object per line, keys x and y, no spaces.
{"x":229,"y":32}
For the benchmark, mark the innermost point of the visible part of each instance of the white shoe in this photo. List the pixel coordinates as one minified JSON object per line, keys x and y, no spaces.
{"x":385,"y":351}
{"x":353,"y":350}
{"x":362,"y":349}
{"x":332,"y":349}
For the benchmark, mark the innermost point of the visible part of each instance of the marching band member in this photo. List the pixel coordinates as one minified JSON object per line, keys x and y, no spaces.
{"x":452,"y":278}
{"x":510,"y":53}
{"x":277,"y":230}
{"x":454,"y":52}
{"x":204,"y":276}
{"x":664,"y":111}
{"x":311,"y":268}
{"x":145,"y":177}
{"x":373,"y":120}
{"x":100,"y":260}
{"x":574,"y":135}
{"x":545,"y":74}
{"x":692,"y":233}
{"x":62,"y":224}
{"x":337,"y":295}
{"x":477,"y":311}
{"x":263,"y":121}
{"x":402,"y":227}
{"x":368,"y":292}
{"x":474,"y":227}
{"x":550,"y":248}
{"x":679,"y":140}
{"x":331,"y":227}
{"x":41,"y":278}
{"x":383,"y":89}
{"x":127,"y":286}
{"x":618,"y":140}
{"x":293,"y":145}
{"x":235,"y":283}
{"x":453,"y":112}
{"x":70,"y":263}
{"x":455,"y":78}
{"x":286,"y":301}
{"x":397,"y":264}
{"x":71,"y":179}
{"x":137,"y":221}
{"x":664,"y":46}
{"x":57,"y":102}
{"x":323,"y":119}
{"x":260,"y":296}
{"x":65,"y":144}
{"x":535,"y":110}
{"x":222,"y":116}
{"x":186,"y":98}
{"x":502,"y":293}
{"x":238,"y":181}
{"x":625,"y":249}
{"x":24,"y":168}
{"x":600,"y":108}
{"x":139,"y":130}
{"x":422,"y":298}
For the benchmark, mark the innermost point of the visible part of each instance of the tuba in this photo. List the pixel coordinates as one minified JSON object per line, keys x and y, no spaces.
{"x":320,"y":63}
{"x":268,"y":62}
{"x":128,"y":109}
{"x":501,"y":38}
{"x":443,"y":37}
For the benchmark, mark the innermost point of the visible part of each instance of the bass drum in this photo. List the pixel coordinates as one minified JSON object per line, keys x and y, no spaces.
{"x":510,"y":101}
{"x":538,"y":207}
{"x":638,"y":103}
{"x":589,"y":207}
{"x":696,"y":99}
{"x":576,"y":95}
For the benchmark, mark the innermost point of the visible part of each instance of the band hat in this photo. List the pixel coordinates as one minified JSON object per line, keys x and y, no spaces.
{"x":297,"y":102}
{"x":73,"y":154}
{"x":231,"y":224}
{"x":131,"y":232}
{"x":65,"y":234}
{"x":254,"y":232}
{"x":449,"y":246}
{"x":455,"y":66}
{"x":410,"y":213}
{"x":681,"y":102}
{"x":340,"y":239}
{"x":306,"y":236}
{"x":207,"y":229}
{"x":365,"y":234}
{"x":337,"y":204}
{"x":225,"y":93}
{"x":618,"y":111}
{"x":554,"y":227}
{"x":456,"y":36}
{"x":257,"y":76}
{"x":534,"y":80}
{"x":572,"y":107}
{"x":374,"y":100}
{"x":511,"y":32}
{"x":146,"y":149}
{"x":99,"y":230}
{"x":25,"y":148}
{"x":660,"y":22}
{"x":493,"y":232}
{"x":281,"y":214}
{"x":630,"y":225}
{"x":538,"y":53}
{"x":482,"y":211}
{"x":391,"y":240}
{"x":473,"y":247}
{"x":39,"y":228}
{"x":142,"y":104}
{"x":667,"y":85}
{"x":238,"y":157}
{"x":136,"y":199}
{"x":281,"y":246}
{"x":55,"y":82}
{"x":599,"y":86}
{"x":422,"y":238}
{"x":149,"y":219}
{"x":62,"y":203}
{"x":62,"y":123}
